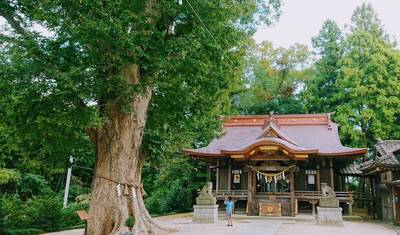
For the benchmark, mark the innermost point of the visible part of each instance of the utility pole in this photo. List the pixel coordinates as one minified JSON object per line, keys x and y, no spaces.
{"x":68,"y":181}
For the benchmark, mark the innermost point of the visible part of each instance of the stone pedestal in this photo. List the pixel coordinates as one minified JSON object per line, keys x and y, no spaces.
{"x":329,"y":202}
{"x":331,"y":216}
{"x":206,"y":200}
{"x":205,"y":213}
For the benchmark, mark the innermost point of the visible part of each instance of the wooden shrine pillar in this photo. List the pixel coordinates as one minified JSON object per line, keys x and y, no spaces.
{"x":249,"y":192}
{"x":208,"y":173}
{"x":217,"y":177}
{"x":331,"y":175}
{"x":318,"y":177}
{"x":292,"y":199}
{"x":229,"y":174}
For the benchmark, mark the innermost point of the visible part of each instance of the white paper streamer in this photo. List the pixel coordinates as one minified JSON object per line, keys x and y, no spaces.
{"x":133,"y":193}
{"x":118,"y":190}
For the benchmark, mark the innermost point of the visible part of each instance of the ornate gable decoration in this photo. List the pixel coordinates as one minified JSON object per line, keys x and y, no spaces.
{"x":272,"y":130}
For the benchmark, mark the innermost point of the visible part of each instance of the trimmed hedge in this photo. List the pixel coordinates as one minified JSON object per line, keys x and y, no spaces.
{"x":25,"y":231}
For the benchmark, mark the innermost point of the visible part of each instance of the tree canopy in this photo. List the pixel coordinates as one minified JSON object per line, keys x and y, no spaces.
{"x":76,"y":77}
{"x":124,"y":86}
{"x":273,"y":79}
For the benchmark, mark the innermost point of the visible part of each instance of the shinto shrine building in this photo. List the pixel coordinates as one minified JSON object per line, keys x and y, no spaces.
{"x":275,"y":164}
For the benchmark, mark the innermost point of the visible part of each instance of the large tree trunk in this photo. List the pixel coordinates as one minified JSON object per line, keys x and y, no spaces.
{"x":116,"y":188}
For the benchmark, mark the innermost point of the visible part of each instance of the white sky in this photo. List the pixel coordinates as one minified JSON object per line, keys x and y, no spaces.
{"x":302,"y":19}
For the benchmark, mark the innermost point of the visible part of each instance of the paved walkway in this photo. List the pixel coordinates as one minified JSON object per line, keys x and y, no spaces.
{"x":246,"y":225}
{"x":241,"y":226}
{"x":351,"y":228}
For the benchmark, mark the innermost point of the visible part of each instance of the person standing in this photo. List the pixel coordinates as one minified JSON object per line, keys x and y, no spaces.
{"x":229,"y":208}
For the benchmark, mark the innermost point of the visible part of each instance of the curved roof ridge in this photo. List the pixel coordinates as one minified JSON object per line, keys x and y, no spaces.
{"x":279,"y":133}
{"x":267,"y":141}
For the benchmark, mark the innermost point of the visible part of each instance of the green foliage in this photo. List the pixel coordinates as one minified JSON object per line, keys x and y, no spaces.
{"x":3,"y":214}
{"x":53,"y":88}
{"x":31,"y":185}
{"x":9,"y":176}
{"x":130,"y":221}
{"x":41,"y":213}
{"x":365,"y":18}
{"x":24,"y":231}
{"x":273,"y":79}
{"x":69,"y":217}
{"x":321,"y":87}
{"x":175,"y":187}
{"x":353,"y":184}
{"x":358,"y":78}
{"x":44,"y":213}
{"x":370,"y":97}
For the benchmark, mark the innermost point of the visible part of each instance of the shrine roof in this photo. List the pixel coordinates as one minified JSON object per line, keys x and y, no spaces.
{"x":297,"y":133}
{"x":385,"y":156}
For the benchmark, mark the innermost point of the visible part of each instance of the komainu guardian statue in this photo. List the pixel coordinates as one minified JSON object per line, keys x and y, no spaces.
{"x":206,"y":209}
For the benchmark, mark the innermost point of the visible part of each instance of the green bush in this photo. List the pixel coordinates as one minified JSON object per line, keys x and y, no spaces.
{"x":69,"y":216}
{"x":44,"y":213}
{"x":76,"y":190}
{"x":3,"y":214}
{"x":32,"y":185}
{"x":13,"y":212}
{"x":26,"y":231}
{"x":175,"y":186}
{"x":40,"y":213}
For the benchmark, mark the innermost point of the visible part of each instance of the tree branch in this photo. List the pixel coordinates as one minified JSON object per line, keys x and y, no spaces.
{"x":8,"y":12}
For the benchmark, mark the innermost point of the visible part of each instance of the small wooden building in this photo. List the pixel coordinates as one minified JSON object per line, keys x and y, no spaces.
{"x":275,"y":164}
{"x":382,"y":175}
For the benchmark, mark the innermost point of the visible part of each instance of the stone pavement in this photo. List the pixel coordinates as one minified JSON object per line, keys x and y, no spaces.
{"x":251,"y":225}
{"x":349,"y":227}
{"x":241,"y":226}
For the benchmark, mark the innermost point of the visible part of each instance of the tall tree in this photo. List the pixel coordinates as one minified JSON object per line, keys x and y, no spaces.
{"x":96,"y":65}
{"x":368,"y":83}
{"x":369,"y":90}
{"x":320,"y":89}
{"x":273,"y":79}
{"x":365,"y":18}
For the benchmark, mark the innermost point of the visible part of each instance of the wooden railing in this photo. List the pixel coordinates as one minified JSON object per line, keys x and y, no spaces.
{"x":278,"y":195}
{"x":314,"y":195}
{"x":299,"y":195}
{"x":220,"y":194}
{"x":358,"y":196}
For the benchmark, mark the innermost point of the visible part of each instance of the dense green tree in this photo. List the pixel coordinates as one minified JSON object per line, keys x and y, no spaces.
{"x":357,"y":78}
{"x":176,"y":185}
{"x":273,"y":78}
{"x":103,"y":66}
{"x":318,"y":95}
{"x":365,"y":18}
{"x":369,"y":90}
{"x":368,"y":84}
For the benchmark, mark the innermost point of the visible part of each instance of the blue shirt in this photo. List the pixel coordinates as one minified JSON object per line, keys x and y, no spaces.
{"x":229,"y":206}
